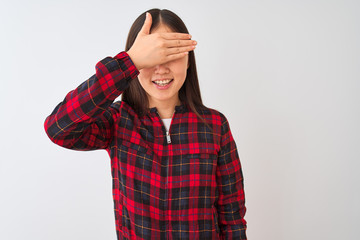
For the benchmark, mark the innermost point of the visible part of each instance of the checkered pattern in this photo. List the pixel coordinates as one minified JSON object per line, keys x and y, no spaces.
{"x":191,"y":188}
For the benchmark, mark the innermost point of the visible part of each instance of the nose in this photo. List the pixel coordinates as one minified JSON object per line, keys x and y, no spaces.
{"x":161,"y":68}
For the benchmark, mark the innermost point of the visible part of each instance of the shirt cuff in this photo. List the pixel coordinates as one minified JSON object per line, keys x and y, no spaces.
{"x":124,"y":56}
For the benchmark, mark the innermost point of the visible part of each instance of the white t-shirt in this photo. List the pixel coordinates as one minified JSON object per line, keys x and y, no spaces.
{"x":167,"y":122}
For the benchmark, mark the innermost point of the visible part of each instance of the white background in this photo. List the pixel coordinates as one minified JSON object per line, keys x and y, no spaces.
{"x":284,"y":73}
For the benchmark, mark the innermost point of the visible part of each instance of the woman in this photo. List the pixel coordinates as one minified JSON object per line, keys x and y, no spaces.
{"x":175,"y":166}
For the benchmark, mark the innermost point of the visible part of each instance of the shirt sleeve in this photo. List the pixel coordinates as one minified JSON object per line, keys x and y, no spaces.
{"x":231,"y":202}
{"x":85,"y":118}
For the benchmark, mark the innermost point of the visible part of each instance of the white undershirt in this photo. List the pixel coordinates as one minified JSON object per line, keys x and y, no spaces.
{"x":167,"y":122}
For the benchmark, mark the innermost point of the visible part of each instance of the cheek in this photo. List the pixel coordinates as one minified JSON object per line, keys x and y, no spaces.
{"x":144,"y":76}
{"x":181,"y":71}
{"x":180,"y":67}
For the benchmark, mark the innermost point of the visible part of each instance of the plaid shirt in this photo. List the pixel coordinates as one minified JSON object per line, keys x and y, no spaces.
{"x":183,"y":184}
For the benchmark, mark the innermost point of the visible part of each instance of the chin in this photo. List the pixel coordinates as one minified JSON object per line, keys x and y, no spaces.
{"x":163,"y":97}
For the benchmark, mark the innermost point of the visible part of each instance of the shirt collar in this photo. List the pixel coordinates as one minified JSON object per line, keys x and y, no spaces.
{"x":178,"y":108}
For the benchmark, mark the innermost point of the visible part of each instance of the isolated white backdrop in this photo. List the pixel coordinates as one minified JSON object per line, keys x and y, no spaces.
{"x":285,"y":73}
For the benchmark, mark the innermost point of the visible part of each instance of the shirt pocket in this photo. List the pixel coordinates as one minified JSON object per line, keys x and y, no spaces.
{"x":194,"y":168}
{"x":137,"y":173}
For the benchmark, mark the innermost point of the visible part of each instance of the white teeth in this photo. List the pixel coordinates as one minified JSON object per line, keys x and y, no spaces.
{"x":163,"y":82}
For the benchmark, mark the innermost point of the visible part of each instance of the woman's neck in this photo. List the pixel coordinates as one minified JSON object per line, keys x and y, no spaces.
{"x":165,"y":109}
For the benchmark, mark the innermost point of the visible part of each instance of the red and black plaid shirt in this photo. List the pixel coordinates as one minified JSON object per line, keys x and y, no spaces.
{"x":188,"y":188}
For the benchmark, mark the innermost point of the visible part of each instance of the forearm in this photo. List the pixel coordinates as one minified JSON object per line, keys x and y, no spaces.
{"x":89,"y":102}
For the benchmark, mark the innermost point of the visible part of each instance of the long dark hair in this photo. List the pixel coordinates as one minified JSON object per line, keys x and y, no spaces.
{"x":189,"y":93}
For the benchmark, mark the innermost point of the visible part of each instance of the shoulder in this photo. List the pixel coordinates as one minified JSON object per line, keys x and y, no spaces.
{"x":123,"y":110}
{"x":213,"y":114}
{"x":218,"y":119}
{"x":122,"y":107}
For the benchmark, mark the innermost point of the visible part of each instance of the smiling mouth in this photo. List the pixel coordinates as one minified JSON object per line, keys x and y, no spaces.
{"x":162,"y":83}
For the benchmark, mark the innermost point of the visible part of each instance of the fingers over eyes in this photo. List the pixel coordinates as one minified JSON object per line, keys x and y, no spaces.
{"x":178,"y":43}
{"x":175,"y":36}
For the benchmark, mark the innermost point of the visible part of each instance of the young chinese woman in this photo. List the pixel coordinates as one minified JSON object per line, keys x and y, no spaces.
{"x":176,"y":171}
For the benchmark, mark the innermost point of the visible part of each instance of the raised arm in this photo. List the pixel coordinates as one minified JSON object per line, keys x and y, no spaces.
{"x":84,"y":119}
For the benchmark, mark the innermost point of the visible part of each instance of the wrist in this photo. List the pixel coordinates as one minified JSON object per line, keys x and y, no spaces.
{"x":131,"y":56}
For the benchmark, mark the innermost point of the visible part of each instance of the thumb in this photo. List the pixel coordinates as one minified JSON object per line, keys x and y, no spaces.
{"x":147,"y":24}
